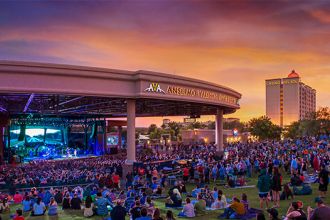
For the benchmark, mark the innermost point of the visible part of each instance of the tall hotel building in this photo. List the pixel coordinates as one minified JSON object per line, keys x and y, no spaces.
{"x":289,"y":99}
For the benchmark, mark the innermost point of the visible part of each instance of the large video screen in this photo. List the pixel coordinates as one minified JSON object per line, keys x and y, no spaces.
{"x":35,"y":135}
{"x":112,"y":139}
{"x":54,"y":136}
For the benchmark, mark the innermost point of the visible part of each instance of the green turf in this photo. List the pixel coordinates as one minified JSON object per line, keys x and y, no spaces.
{"x":252,"y":194}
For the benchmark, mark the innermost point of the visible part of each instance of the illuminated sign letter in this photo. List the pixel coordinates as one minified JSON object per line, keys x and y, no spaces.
{"x":154,"y":87}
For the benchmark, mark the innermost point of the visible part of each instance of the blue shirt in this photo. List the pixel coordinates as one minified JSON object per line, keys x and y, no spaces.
{"x":294,"y":164}
{"x":26,"y":205}
{"x":102,"y":208}
{"x":143,"y":218}
{"x":39,"y":209}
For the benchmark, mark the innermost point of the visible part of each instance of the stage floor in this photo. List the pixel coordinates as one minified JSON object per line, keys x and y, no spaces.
{"x":64,"y":157}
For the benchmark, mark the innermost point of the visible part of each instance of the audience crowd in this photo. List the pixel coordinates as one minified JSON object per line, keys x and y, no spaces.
{"x":99,"y":185}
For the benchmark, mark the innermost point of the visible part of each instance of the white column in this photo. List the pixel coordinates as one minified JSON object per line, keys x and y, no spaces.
{"x":219,"y":130}
{"x":130,"y":131}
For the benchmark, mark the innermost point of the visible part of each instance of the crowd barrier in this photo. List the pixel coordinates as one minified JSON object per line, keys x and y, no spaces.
{"x":28,"y":188}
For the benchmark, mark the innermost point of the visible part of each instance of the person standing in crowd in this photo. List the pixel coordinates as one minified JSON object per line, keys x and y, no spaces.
{"x":321,"y":212}
{"x":316,"y":164}
{"x":185,"y":174}
{"x":323,"y":181}
{"x":263,"y":187}
{"x":276,"y":187}
{"x":116,"y":180}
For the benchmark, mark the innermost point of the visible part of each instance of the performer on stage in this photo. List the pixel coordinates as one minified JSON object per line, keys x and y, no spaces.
{"x":68,"y":152}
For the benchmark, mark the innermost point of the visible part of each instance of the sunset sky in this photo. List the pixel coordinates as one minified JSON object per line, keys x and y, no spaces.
{"x":238,"y":44}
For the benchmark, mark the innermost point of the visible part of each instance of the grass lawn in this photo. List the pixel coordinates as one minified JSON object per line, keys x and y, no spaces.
{"x":252,"y":194}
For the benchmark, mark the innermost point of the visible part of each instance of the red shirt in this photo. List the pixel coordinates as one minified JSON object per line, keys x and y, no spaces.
{"x":19,"y":218}
{"x":115,"y":179}
{"x":185,"y":171}
{"x":18,"y":198}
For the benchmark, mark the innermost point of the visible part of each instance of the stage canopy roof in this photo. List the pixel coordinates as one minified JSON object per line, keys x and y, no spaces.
{"x":74,"y":91}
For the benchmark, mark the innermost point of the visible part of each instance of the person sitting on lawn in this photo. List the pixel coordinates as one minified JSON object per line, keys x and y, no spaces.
{"x":135,"y":212}
{"x":295,"y":212}
{"x":75,"y":202}
{"x":235,"y":209}
{"x":156,"y":215}
{"x":218,"y":204}
{"x":27,"y":204}
{"x":295,"y":180}
{"x":118,"y":212}
{"x":19,"y":215}
{"x":101,"y":205}
{"x":4,"y":206}
{"x":188,"y":210}
{"x":175,"y":199}
{"x":287,"y":192}
{"x":18,"y":198}
{"x":169,"y":215}
{"x":39,"y":208}
{"x":66,"y":201}
{"x":52,"y":209}
{"x":273,"y":214}
{"x":144,"y":215}
{"x":200,"y":206}
{"x":245,"y":202}
{"x":321,"y":212}
{"x":88,"y":210}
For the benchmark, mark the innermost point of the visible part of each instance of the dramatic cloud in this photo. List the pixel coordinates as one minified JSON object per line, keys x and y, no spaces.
{"x":235,"y":43}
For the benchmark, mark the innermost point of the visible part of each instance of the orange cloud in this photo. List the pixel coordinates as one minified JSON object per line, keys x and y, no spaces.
{"x":321,"y":15}
{"x":238,"y":45}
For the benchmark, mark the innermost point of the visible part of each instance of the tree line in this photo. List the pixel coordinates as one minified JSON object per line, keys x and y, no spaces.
{"x":262,"y":127}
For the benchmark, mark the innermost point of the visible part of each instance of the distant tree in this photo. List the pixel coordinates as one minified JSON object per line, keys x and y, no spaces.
{"x":176,"y":127}
{"x":263,"y":128}
{"x":293,"y":130}
{"x":154,"y":132}
{"x":152,"y":128}
{"x":197,"y":125}
{"x":231,"y":125}
{"x":211,"y":125}
{"x":323,"y":116}
{"x":316,"y":123}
